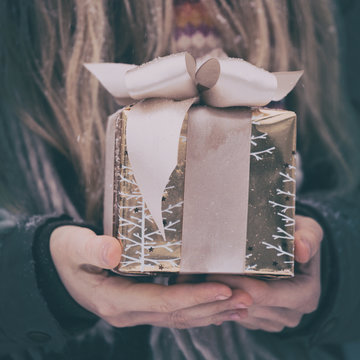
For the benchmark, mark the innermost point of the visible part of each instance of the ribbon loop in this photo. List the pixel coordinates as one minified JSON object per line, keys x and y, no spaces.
{"x":170,"y":77}
{"x":222,"y":83}
{"x":241,"y":84}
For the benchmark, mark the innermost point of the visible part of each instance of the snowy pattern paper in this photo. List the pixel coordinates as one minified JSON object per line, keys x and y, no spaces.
{"x":144,"y":249}
{"x":271,"y":207}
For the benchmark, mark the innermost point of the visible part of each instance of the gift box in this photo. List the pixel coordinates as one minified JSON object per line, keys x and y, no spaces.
{"x":201,"y":188}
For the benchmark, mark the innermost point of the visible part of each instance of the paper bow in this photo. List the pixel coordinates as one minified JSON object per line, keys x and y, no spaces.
{"x":154,"y":125}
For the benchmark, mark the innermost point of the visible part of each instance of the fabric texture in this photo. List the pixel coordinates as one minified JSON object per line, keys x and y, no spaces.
{"x":194,"y":30}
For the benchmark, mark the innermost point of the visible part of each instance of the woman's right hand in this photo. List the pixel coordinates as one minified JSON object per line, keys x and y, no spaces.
{"x":80,"y":257}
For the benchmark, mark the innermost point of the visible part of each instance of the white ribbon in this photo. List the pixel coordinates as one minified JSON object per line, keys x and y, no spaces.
{"x":153,"y":127}
{"x":226,"y":82}
{"x":152,"y":140}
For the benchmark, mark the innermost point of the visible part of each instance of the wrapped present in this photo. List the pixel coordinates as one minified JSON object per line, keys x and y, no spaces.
{"x":200,"y":186}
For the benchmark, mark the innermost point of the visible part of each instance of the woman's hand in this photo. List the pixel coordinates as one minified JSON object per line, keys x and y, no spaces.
{"x":80,"y":257}
{"x":279,"y":304}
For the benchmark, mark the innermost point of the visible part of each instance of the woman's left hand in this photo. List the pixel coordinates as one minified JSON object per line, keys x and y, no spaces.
{"x":280,"y":304}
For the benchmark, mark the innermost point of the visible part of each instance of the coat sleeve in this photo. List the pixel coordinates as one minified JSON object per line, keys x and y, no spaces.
{"x":25,"y":319}
{"x":37,"y":309}
{"x":35,"y":319}
{"x":337,"y":319}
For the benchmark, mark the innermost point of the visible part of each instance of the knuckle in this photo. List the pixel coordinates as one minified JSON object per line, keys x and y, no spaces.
{"x":218,"y":323}
{"x":271,"y":326}
{"x":86,"y":249}
{"x":118,"y":322}
{"x":221,"y":306}
{"x":113,"y":322}
{"x":178,"y":320}
{"x":218,"y":318}
{"x":250,"y":326}
{"x":167,"y":302}
{"x":293,"y":322}
{"x":276,"y":328}
{"x":199,"y":297}
{"x":311,"y":306}
{"x":260,"y":292}
{"x":311,"y":301}
{"x":165,"y":306}
{"x":105,"y":310}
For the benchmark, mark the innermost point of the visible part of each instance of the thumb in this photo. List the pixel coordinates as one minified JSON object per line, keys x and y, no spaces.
{"x":308,"y":237}
{"x":107,"y":250}
{"x":83,"y":246}
{"x":101,"y":251}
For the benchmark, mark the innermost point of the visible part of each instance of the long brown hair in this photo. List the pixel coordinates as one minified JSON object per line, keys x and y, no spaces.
{"x":48,"y":88}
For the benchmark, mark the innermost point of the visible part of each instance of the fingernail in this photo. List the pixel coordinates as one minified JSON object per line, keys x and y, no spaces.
{"x":241,"y":306}
{"x":221,"y":297}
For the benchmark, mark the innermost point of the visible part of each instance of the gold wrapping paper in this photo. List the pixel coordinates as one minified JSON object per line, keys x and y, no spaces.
{"x":271,"y":207}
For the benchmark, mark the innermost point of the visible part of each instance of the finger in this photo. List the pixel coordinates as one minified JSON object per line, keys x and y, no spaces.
{"x":83,"y":246}
{"x":116,"y":294}
{"x":288,"y":317}
{"x":199,"y":315}
{"x":102,"y":251}
{"x":209,"y":310}
{"x":177,"y":320}
{"x":308,"y":236}
{"x":218,"y":319}
{"x":261,"y":324}
{"x":301,"y":292}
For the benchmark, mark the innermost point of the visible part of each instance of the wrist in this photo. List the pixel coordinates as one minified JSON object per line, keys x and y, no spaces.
{"x":70,"y":315}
